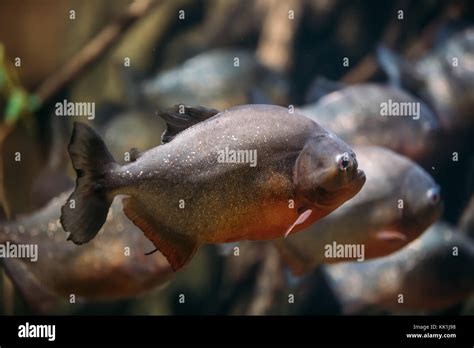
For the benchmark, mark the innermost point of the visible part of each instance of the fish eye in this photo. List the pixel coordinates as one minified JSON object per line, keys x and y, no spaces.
{"x":434,"y":195}
{"x":343,"y":161}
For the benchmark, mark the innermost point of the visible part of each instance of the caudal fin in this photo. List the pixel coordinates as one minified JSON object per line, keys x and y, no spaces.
{"x":86,"y":209}
{"x":400,"y":72}
{"x":320,"y":87}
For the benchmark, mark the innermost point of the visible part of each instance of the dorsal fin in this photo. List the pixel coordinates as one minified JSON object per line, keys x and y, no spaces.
{"x":320,"y":87}
{"x":180,"y":117}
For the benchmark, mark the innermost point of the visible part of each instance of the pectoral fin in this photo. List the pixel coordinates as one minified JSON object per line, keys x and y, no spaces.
{"x":393,"y":236}
{"x":177,"y":248}
{"x":301,"y":218}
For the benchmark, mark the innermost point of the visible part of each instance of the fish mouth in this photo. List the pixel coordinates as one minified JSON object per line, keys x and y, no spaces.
{"x":351,"y":170}
{"x":325,"y":197}
{"x":356,"y":182}
{"x":355,"y":178}
{"x":359,"y":175}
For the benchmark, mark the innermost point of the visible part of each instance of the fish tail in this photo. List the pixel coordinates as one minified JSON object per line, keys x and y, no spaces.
{"x":400,"y":72}
{"x":391,"y":64}
{"x":86,"y":209}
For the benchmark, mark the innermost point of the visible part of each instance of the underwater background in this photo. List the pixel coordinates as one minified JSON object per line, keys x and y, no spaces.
{"x":132,"y":59}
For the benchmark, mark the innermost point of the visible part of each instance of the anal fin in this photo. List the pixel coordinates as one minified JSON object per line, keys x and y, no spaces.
{"x":177,"y":248}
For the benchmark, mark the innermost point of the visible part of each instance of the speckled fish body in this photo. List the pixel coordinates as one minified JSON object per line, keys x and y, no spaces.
{"x":112,"y":266}
{"x":433,"y":272}
{"x":218,"y":79}
{"x":182,"y":195}
{"x":373,"y":218}
{"x":355,"y":113}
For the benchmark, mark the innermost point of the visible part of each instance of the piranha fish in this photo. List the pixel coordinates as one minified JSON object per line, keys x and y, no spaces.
{"x":433,"y":272}
{"x":184,"y":193}
{"x":397,"y":203}
{"x":111,"y":267}
{"x":374,"y":114}
{"x":444,"y":78}
{"x":218,"y":78}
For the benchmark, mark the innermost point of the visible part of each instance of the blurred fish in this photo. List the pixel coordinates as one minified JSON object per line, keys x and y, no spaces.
{"x":247,"y":279}
{"x":132,"y":129}
{"x":111,"y":267}
{"x":373,"y":219}
{"x":433,"y":272}
{"x":53,"y":178}
{"x":218,"y":78}
{"x":466,"y":222}
{"x":356,"y":114}
{"x":444,"y":78}
{"x":206,"y":183}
